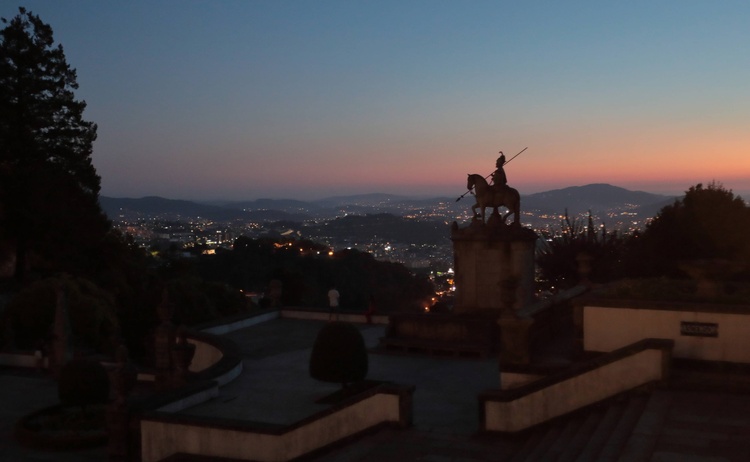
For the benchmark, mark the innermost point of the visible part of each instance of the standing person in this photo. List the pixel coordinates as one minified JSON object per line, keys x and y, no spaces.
{"x":333,"y":302}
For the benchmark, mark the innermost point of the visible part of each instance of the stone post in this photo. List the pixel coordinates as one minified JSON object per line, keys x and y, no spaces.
{"x":182,"y":355}
{"x":274,"y":292}
{"x":514,"y":331}
{"x":60,"y":332}
{"x":163,"y":342}
{"x":123,"y":378}
{"x":584,"y":261}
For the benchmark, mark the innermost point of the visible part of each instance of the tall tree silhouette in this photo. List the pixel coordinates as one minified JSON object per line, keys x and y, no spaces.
{"x":48,"y":185}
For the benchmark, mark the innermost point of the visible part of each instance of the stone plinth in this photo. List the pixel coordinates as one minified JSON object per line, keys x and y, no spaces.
{"x":516,"y":338}
{"x":490,"y":259}
{"x":441,"y":334}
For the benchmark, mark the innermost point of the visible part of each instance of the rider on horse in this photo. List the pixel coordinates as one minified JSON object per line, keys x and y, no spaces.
{"x":499,"y":180}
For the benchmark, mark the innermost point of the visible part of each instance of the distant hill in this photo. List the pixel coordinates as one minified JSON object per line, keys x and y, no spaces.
{"x":172,"y":209}
{"x":275,"y":215}
{"x":576,"y":199}
{"x":594,"y":197}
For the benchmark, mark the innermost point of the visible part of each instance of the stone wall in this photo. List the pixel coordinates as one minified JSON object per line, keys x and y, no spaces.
{"x":701,"y":331}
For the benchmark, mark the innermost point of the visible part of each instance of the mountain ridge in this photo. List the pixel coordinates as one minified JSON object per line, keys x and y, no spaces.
{"x":574,"y":199}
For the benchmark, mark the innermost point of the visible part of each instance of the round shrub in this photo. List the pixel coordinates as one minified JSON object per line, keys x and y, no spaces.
{"x":339,"y":354}
{"x":83,"y":382}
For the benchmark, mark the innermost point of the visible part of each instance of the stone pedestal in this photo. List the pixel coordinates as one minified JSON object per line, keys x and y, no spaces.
{"x":61,"y":333}
{"x":515,"y":340}
{"x":490,"y":259}
{"x":164,"y":340}
{"x":123,"y":378}
{"x":182,"y":353}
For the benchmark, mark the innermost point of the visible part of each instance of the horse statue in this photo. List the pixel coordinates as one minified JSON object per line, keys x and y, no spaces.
{"x":495,"y":197}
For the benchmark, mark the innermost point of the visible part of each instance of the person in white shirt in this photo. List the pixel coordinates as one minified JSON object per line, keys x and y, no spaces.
{"x":333,"y":302}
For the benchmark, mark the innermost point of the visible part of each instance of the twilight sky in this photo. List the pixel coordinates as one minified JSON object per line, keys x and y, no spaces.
{"x":307,"y":99}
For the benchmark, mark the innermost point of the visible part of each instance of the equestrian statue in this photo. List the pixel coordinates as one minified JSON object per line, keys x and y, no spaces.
{"x":495,"y":195}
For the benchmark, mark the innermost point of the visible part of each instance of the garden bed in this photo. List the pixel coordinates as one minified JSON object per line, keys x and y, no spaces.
{"x":63,"y":428}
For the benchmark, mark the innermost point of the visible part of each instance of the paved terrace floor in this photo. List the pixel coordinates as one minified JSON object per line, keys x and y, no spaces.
{"x":276,"y":387}
{"x":23,"y":392}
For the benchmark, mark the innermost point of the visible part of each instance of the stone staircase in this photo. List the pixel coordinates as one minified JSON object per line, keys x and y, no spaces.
{"x":661,"y":426}
{"x":598,"y":434}
{"x":665,"y":425}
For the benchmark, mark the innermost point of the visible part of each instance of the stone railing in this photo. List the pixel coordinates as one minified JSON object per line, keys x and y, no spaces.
{"x":441,"y":334}
{"x":231,"y":324}
{"x":166,"y":434}
{"x":581,"y":385}
{"x":324,"y":314}
{"x":29,"y":359}
{"x":216,"y":358}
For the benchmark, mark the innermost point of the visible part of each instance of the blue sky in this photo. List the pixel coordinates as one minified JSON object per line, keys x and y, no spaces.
{"x":306,"y":99}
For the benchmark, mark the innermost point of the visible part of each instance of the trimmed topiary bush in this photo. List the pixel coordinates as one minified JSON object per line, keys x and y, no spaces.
{"x":83,"y":382}
{"x":339,"y":354}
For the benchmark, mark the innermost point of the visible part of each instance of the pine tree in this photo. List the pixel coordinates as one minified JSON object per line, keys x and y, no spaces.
{"x":48,"y":185}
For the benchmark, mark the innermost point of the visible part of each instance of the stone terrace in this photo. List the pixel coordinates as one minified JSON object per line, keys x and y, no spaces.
{"x":660,"y":426}
{"x":701,"y":418}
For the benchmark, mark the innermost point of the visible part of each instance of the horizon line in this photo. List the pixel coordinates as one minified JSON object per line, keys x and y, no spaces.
{"x":355,"y":194}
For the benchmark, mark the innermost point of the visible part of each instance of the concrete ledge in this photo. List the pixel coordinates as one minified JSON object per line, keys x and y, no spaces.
{"x":317,"y":314}
{"x":165,"y":434}
{"x":178,"y":399}
{"x":226,"y":325}
{"x":581,"y":385}
{"x":23,"y":359}
{"x":191,"y":400}
{"x":228,"y":367}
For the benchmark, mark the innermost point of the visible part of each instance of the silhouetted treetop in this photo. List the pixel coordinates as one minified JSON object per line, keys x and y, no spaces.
{"x":709,"y":222}
{"x":41,"y":122}
{"x":48,"y":185}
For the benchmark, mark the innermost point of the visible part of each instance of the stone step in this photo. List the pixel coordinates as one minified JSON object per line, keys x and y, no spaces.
{"x":550,"y":436}
{"x":582,"y":436}
{"x":602,"y":433}
{"x":643,"y":438}
{"x":569,"y":431}
{"x":528,"y":447}
{"x":620,"y":434}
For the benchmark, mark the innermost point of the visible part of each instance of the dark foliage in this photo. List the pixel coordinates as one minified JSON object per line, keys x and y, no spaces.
{"x":83,"y":382}
{"x":339,"y":354}
{"x":307,"y":271}
{"x":557,"y":258}
{"x":707,"y":223}
{"x":48,"y":185}
{"x":31,"y":313}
